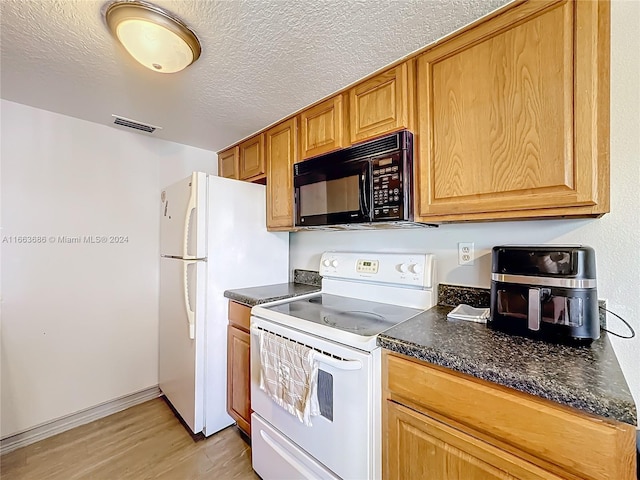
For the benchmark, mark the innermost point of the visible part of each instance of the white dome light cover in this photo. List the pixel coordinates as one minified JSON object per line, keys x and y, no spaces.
{"x":152,"y":36}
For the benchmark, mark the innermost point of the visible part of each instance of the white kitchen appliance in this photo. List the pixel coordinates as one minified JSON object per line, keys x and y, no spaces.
{"x":213,"y":237}
{"x":363,"y":294}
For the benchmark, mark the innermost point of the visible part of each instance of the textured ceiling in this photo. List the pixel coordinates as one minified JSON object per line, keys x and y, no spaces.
{"x":261,"y":59}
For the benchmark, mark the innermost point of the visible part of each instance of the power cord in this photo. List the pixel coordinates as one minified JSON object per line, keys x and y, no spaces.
{"x":633,"y":333}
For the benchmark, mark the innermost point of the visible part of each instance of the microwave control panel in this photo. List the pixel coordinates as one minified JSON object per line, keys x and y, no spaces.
{"x":388,"y":195}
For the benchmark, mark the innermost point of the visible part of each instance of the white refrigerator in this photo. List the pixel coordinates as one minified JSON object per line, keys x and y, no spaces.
{"x":213,"y":237}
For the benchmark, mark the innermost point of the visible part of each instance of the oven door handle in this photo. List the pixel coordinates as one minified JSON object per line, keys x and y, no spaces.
{"x":321,"y":357}
{"x":335,"y":363}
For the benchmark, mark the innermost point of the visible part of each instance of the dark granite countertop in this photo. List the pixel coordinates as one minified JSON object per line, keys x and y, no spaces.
{"x":586,"y":378}
{"x":269,"y":293}
{"x":304,"y":281}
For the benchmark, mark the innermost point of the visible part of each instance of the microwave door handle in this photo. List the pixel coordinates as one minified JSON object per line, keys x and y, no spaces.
{"x":364,"y":187}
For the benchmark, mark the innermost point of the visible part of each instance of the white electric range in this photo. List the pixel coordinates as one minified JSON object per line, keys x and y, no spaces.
{"x":363,"y":294}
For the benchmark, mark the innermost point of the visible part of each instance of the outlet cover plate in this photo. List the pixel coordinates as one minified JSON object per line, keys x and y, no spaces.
{"x":466,"y":254}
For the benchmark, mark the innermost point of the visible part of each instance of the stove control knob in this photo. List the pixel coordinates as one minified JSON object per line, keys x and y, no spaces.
{"x":403,"y":267}
{"x":326,"y":262}
{"x":415,"y":268}
{"x":334,"y":263}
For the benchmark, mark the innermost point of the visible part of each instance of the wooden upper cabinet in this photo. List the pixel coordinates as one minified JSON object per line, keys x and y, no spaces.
{"x":251,"y":158}
{"x":322,"y":128}
{"x":382,"y":104}
{"x":514,"y":116}
{"x":281,"y":147}
{"x":228,"y":163}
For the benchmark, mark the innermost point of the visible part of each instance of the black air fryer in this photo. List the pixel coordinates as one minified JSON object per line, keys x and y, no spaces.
{"x":546,"y":292}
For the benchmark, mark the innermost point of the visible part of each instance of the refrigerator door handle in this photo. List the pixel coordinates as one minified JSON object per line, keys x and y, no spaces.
{"x":191,"y":206}
{"x":191,"y":315}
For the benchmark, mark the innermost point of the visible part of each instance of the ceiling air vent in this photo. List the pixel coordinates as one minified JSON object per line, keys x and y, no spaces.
{"x":127,"y":122}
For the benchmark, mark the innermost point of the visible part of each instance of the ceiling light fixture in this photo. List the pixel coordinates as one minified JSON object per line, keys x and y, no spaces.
{"x":153,"y":36}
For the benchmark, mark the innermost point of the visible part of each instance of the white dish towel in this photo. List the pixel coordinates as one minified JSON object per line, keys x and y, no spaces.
{"x":289,"y":375}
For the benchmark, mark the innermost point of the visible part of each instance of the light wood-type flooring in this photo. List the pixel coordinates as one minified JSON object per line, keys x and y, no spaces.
{"x":143,"y":442}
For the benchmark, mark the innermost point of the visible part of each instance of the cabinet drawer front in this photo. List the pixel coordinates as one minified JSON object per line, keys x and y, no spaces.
{"x":422,"y":447}
{"x":239,"y":315}
{"x":580,"y":444}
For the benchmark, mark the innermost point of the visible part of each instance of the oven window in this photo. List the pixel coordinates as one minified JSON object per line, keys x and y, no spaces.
{"x":325,"y":394}
{"x":332,"y":196}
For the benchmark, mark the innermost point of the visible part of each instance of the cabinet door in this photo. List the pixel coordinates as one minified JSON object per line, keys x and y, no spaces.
{"x":419,"y":446}
{"x":322,"y":128}
{"x":513,"y":116}
{"x":228,"y":163}
{"x":251,"y":158}
{"x":381,"y":104}
{"x":559,"y":438}
{"x":281,"y":149}
{"x":239,"y":378}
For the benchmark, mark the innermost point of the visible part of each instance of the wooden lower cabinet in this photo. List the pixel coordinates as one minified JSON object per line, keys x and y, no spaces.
{"x":444,"y":425}
{"x":422,"y":447}
{"x":239,"y":366}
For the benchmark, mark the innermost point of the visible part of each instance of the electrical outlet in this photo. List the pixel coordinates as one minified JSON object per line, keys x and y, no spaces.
{"x":466,"y":255}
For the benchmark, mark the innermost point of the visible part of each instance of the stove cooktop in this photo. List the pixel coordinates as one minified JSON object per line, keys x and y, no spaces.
{"x":355,"y":316}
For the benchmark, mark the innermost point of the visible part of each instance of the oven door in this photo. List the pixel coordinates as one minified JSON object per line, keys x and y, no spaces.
{"x":344,"y":437}
{"x":333,"y":195}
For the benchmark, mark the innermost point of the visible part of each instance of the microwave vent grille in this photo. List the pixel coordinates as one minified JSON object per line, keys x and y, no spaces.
{"x":376,"y":147}
{"x":371,"y":148}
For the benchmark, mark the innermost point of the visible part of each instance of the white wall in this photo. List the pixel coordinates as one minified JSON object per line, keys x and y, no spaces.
{"x":615,"y":237}
{"x":79,"y":321}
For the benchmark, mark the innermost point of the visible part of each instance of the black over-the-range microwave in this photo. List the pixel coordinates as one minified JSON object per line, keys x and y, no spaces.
{"x":369,"y":183}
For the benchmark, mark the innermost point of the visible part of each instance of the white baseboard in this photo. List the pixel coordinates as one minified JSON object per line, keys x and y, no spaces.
{"x":68,"y":422}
